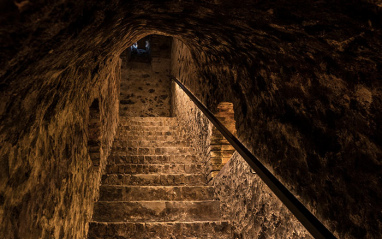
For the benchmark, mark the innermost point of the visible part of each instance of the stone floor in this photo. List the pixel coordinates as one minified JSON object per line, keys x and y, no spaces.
{"x":154,"y":187}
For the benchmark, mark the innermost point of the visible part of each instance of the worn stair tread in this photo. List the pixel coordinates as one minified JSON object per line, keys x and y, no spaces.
{"x":154,"y":179}
{"x":169,"y":150}
{"x":159,"y":136}
{"x":153,"y":159}
{"x":151,"y":128}
{"x":147,"y":119}
{"x":154,"y":211}
{"x":161,"y":223}
{"x":153,"y":168}
{"x":148,"y":193}
{"x":150,"y":143}
{"x":160,"y":201}
{"x":123,"y":131}
{"x":162,"y":230}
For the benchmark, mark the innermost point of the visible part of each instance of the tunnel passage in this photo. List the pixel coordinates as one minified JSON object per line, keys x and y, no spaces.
{"x":145,"y":84}
{"x":304,"y":77}
{"x":154,"y":185}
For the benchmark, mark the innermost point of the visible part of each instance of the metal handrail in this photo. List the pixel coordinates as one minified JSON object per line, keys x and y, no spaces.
{"x":307,"y":219}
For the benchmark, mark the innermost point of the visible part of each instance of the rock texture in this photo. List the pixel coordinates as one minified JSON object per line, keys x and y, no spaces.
{"x":191,"y":119}
{"x":50,"y":171}
{"x":250,"y":205}
{"x":144,"y":91}
{"x":304,"y":78}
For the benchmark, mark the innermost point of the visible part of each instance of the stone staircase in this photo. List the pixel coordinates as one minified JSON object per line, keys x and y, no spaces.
{"x":154,"y":187}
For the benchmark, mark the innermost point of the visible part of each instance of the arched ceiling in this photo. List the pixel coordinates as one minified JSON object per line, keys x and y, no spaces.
{"x":314,"y":66}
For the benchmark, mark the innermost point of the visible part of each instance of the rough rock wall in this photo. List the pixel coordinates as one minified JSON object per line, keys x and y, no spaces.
{"x":194,"y":124}
{"x":48,"y":182}
{"x":246,"y":202}
{"x":251,"y":207}
{"x":304,"y":77}
{"x":209,"y":142}
{"x":309,"y":108}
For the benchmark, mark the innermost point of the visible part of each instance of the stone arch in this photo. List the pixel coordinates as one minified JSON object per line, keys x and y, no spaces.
{"x":220,"y":149}
{"x":94,"y":139}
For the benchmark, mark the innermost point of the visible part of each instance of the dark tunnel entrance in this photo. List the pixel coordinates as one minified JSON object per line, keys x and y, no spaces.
{"x":145,"y":84}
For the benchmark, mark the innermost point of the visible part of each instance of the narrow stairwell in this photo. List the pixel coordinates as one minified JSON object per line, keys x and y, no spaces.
{"x":154,"y":187}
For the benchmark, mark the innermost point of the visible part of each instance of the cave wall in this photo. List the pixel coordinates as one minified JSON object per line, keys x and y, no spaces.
{"x":246,"y":202}
{"x":251,"y":207}
{"x":306,"y":103}
{"x":304,"y":78}
{"x":193,"y":123}
{"x":48,"y":180}
{"x":308,"y":107}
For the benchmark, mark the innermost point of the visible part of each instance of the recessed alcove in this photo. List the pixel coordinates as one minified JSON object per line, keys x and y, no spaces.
{"x":94,"y":133}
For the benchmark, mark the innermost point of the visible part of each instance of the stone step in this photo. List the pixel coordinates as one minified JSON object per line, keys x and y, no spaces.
{"x":142,"y":136}
{"x":157,"y":159}
{"x":160,"y":230}
{"x":120,"y":143}
{"x":154,"y":169}
{"x":155,"y":186}
{"x":127,"y":134}
{"x":131,"y":151}
{"x":156,"y":211}
{"x":169,"y":122}
{"x":147,"y":193}
{"x":143,"y":128}
{"x":154,"y":179}
{"x":154,"y":121}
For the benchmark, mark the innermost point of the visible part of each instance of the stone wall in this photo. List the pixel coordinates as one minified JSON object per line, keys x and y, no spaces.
{"x":194,"y":124}
{"x":48,"y":182}
{"x":310,"y":115}
{"x":221,"y":149}
{"x":246,"y":202}
{"x":251,"y":207}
